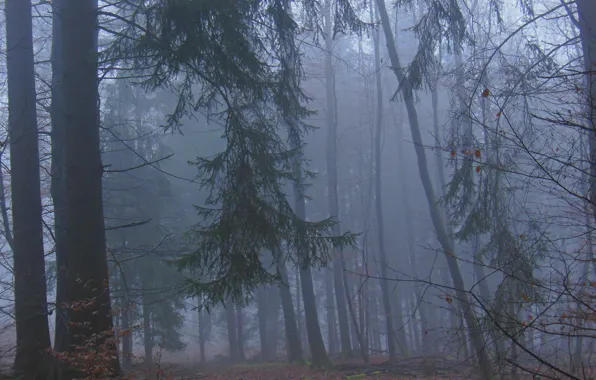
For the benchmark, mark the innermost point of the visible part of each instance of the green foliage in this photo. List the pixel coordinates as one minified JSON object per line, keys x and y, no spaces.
{"x":441,"y":23}
{"x":237,"y":61}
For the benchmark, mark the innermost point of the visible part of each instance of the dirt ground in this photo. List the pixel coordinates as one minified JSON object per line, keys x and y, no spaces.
{"x":378,"y":368}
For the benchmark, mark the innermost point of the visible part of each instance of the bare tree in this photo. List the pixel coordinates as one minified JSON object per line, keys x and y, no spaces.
{"x":437,"y":219}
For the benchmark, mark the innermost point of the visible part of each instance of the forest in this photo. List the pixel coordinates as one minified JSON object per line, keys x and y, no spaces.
{"x":297,"y":189}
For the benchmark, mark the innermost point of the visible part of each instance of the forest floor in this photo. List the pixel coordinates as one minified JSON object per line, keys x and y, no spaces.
{"x":378,"y":368}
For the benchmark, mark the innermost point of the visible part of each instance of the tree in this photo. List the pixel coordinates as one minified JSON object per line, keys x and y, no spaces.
{"x":31,"y":308}
{"x":294,"y":346}
{"x":232,"y":331}
{"x":88,"y":300}
{"x":586,"y":10}
{"x":379,"y":201}
{"x":407,"y":86}
{"x":246,"y":181}
{"x":58,"y":191}
{"x":338,"y":280}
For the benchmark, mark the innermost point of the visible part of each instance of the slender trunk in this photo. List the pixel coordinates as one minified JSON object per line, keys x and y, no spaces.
{"x":239,"y":319}
{"x":320,"y":359}
{"x":204,"y":322}
{"x":147,"y":302}
{"x":294,"y":349}
{"x":126,"y":334}
{"x":586,"y":13}
{"x":437,"y":219}
{"x":330,"y":313}
{"x":422,"y":306}
{"x":31,"y":309}
{"x":126,"y":328}
{"x":262,"y":314}
{"x":232,"y":331}
{"x":379,"y":201}
{"x":58,"y":185}
{"x":273,"y":321}
{"x":332,"y":196}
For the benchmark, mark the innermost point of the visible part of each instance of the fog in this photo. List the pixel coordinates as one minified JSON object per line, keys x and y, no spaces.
{"x":349,"y":186}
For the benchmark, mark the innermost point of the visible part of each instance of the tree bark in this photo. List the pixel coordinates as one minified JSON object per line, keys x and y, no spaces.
{"x":379,"y":201}
{"x":586,"y":12}
{"x":273,"y":320}
{"x":330,"y":313}
{"x":232,"y":331}
{"x":204,"y":322}
{"x":437,"y":219}
{"x":147,"y":329}
{"x":320,"y":359}
{"x":294,"y":349}
{"x":586,"y":15}
{"x":31,"y":309}
{"x":332,"y":196}
{"x":58,"y":185}
{"x":85,"y":244}
{"x":240,"y":325}
{"x":262,"y":314}
{"x":127,"y":336}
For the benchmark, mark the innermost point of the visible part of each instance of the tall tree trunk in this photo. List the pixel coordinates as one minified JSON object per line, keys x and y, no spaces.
{"x":58,"y":185}
{"x":147,"y":327}
{"x":379,"y":201}
{"x":332,"y":196}
{"x":586,"y":13}
{"x":320,"y":359}
{"x":85,"y":243}
{"x":232,"y":330}
{"x":127,"y":342}
{"x":240,"y":325}
{"x":294,"y":349}
{"x":262,"y":314}
{"x":31,"y":308}
{"x":127,"y":333}
{"x":204,"y":322}
{"x":330,"y":313}
{"x":437,"y":219}
{"x":273,"y":320}
{"x":422,"y":305}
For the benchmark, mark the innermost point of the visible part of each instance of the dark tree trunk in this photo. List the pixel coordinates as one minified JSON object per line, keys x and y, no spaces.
{"x":273,"y":320}
{"x":147,"y":330}
{"x":85,"y":243}
{"x":127,"y":334}
{"x":437,"y":219}
{"x":263,"y":313}
{"x":333,"y":203}
{"x":294,"y":349}
{"x":240,"y":325}
{"x":31,"y":309}
{"x":330,"y":313}
{"x":204,"y":324}
{"x":320,"y":359}
{"x":379,"y":202}
{"x":586,"y":10}
{"x":232,"y":330}
{"x":58,"y":187}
